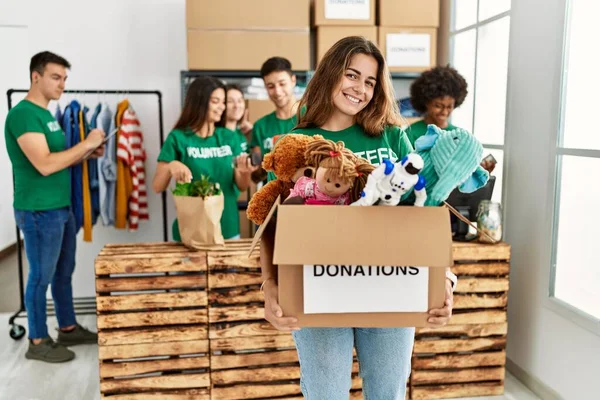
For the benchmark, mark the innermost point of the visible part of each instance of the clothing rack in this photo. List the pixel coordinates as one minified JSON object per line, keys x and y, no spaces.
{"x":82,"y":305}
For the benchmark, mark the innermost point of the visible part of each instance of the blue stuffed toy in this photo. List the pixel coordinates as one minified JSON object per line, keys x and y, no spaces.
{"x":451,"y":160}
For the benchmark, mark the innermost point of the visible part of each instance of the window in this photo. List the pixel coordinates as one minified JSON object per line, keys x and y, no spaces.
{"x":479,"y":34}
{"x":575,"y":278}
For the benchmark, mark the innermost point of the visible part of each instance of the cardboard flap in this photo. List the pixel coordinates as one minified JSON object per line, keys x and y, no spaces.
{"x":397,"y":236}
{"x":261,"y":229}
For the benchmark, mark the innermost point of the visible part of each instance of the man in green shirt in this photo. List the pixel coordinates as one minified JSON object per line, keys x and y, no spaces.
{"x":280,"y":82}
{"x":36,"y":146}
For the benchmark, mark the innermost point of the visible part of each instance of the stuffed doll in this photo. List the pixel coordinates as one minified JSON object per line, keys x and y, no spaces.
{"x":287,"y":160}
{"x":451,"y":160}
{"x":336,"y":172}
{"x":389,"y":182}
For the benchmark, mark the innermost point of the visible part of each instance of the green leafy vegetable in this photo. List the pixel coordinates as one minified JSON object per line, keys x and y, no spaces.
{"x":201,"y":188}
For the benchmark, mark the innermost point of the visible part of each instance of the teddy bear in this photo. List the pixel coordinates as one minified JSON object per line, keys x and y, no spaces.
{"x":287,"y":161}
{"x":389,"y":182}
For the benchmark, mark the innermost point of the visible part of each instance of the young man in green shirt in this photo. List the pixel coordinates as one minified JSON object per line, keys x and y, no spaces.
{"x":36,"y":146}
{"x":280,"y":82}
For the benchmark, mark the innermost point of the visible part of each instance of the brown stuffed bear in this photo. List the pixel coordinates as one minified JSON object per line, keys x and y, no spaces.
{"x":287,"y":160}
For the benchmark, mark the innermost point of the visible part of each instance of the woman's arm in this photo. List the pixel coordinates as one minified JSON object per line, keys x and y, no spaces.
{"x":164,"y":172}
{"x":162,"y":177}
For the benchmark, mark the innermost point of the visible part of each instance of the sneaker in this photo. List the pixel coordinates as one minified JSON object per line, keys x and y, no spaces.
{"x":49,"y":351}
{"x":79,"y":335}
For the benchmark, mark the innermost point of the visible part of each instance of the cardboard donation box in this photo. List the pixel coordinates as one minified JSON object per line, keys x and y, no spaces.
{"x":344,"y":12}
{"x":344,"y":266}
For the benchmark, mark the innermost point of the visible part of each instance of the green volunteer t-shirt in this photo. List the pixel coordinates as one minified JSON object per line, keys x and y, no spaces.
{"x":242,"y":138}
{"x":418,"y":129}
{"x":33,"y":191}
{"x":392,"y":143}
{"x":213,"y":156}
{"x":266,"y":128}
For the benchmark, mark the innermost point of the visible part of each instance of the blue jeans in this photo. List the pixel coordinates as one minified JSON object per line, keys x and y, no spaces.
{"x":325,"y":356}
{"x":50,"y":242}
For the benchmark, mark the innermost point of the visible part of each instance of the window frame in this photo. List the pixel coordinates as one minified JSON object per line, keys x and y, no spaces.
{"x":476,"y":27}
{"x":558,"y":151}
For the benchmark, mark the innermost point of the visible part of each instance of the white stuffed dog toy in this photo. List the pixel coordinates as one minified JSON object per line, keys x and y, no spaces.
{"x":388,"y":182}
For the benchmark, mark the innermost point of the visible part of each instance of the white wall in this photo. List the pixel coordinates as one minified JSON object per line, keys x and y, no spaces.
{"x":562,"y":355}
{"x":113,"y":44}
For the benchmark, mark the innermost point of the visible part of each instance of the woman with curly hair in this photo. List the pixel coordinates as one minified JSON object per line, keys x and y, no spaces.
{"x":435,"y":94}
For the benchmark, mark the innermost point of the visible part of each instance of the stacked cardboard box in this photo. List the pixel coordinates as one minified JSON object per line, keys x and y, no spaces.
{"x":241,"y":35}
{"x":408,"y":33}
{"x":337,"y":19}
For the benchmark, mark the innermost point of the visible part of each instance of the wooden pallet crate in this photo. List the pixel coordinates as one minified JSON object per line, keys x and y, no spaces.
{"x":249,"y":358}
{"x":152,"y":322}
{"x":467,"y":357}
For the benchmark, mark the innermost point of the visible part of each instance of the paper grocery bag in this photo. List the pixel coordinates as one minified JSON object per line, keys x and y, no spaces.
{"x":200,"y":221}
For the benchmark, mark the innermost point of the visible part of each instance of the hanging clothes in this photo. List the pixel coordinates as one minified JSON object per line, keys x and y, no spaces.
{"x":130,"y":150}
{"x":90,"y":123}
{"x":71,"y":122}
{"x":87,"y":202}
{"x":107,"y":167}
{"x":124,"y":184}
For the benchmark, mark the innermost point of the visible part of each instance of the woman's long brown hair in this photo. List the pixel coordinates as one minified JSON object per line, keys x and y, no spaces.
{"x":316,"y":106}
{"x":195,"y":106}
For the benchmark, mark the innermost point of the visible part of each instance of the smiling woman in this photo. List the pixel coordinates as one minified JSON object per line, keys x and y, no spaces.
{"x":196,"y":147}
{"x":435,"y":94}
{"x":349,"y":99}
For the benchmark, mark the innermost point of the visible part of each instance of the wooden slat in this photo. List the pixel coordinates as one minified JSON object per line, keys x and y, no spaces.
{"x":252,"y":343}
{"x":239,"y":260}
{"x":262,"y":391}
{"x":482,"y":269}
{"x":153,"y":318}
{"x":152,"y":350}
{"x":259,"y":375}
{"x":480,"y":252}
{"x":243,"y":330}
{"x":464,"y":330}
{"x":459,"y":345}
{"x":478,"y":317}
{"x":120,"y":369}
{"x":194,"y":394}
{"x":464,"y":301}
{"x":218,"y":362}
{"x":104,"y":285}
{"x":184,"y":381}
{"x":158,"y":249}
{"x":254,"y":391}
{"x":217,"y":280}
{"x":141,"y":255}
{"x":236,"y":313}
{"x":236,"y":296}
{"x":143,"y":244}
{"x":454,"y":391}
{"x":152,"y":335}
{"x":482,"y":285}
{"x":150,"y":264}
{"x":455,"y":361}
{"x":457,"y":376}
{"x":254,"y":375}
{"x":151,"y":300}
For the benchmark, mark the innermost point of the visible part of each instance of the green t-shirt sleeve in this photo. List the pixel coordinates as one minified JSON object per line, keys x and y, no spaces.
{"x":169,"y":151}
{"x":21,"y":121}
{"x":256,"y":134}
{"x":398,"y":141}
{"x":237,"y":144}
